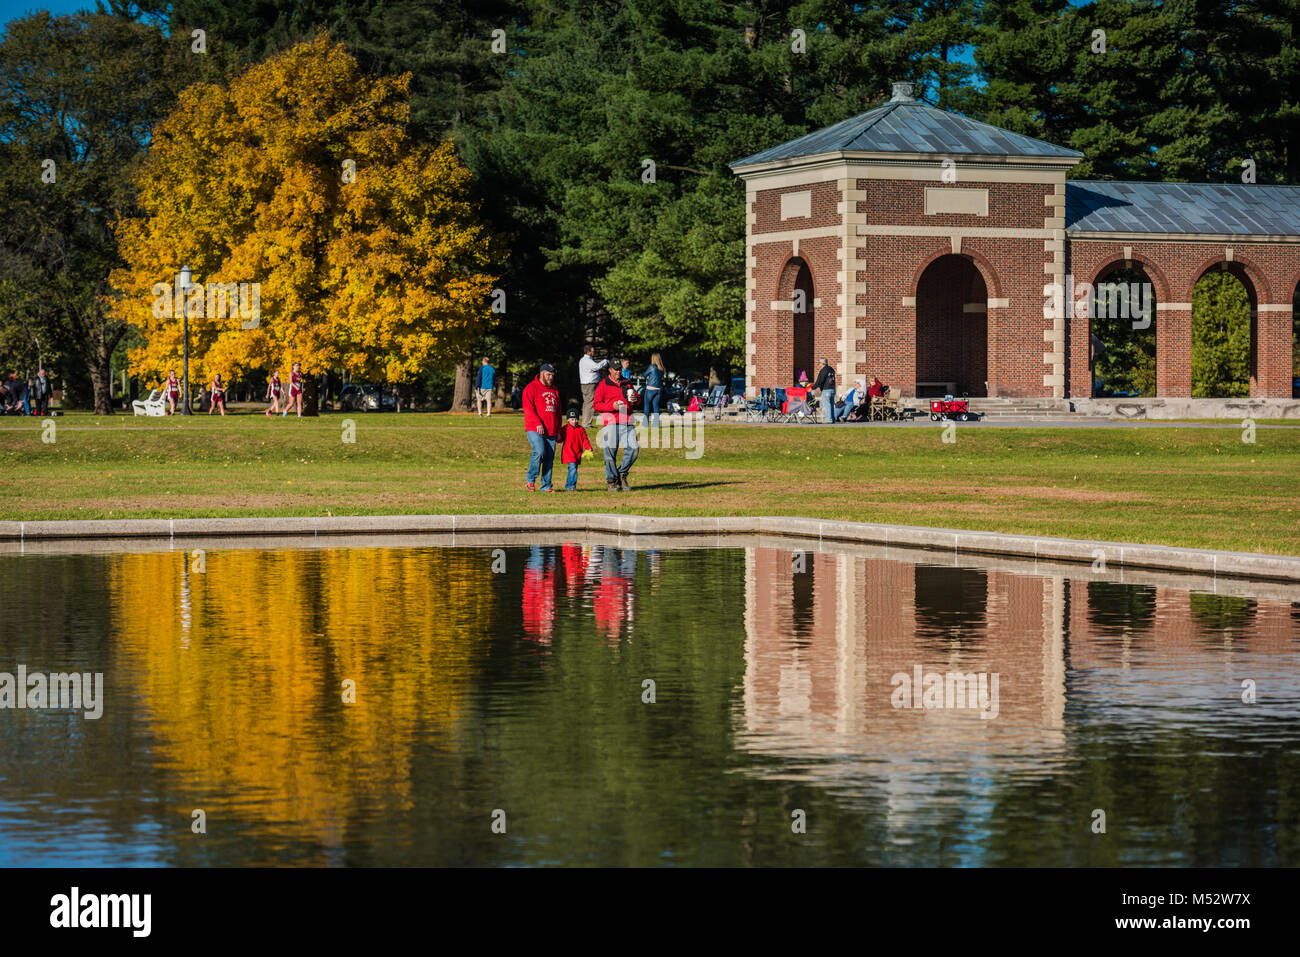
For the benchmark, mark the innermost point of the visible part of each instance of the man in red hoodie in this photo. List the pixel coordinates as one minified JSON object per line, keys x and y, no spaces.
{"x":542,"y":425}
{"x":616,"y":429}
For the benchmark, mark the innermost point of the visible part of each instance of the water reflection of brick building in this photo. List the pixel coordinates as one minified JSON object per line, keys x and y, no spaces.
{"x":1108,"y":622}
{"x":822,"y":645}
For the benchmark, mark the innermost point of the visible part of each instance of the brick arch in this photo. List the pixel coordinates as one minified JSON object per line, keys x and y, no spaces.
{"x":1258,"y":291}
{"x":802,"y":327}
{"x":986,"y":270}
{"x":951,"y":344}
{"x":1153,"y":271}
{"x":789,"y":275}
{"x":1257,"y":285}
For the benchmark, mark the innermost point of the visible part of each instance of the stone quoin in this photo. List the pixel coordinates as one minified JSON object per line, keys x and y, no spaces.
{"x":919,"y":246}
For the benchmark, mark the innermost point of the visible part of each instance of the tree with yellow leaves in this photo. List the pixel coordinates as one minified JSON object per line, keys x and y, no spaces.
{"x":355,"y":245}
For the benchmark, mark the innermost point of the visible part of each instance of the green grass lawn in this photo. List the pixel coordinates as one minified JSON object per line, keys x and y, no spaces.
{"x":1192,"y":487}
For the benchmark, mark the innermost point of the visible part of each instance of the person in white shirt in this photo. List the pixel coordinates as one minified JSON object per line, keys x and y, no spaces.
{"x":589,"y":376}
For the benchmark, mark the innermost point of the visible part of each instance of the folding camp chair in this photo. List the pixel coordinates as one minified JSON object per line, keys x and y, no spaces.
{"x":757,"y":409}
{"x":717,"y":400}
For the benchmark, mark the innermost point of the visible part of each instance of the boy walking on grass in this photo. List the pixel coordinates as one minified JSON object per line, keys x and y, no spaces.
{"x":574,"y":445}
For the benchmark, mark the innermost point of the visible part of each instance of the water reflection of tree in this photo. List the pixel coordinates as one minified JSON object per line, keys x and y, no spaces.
{"x":252,"y":710}
{"x":1119,"y":609}
{"x":1221,"y":613}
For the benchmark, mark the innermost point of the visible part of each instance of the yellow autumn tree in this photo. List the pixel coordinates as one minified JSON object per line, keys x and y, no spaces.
{"x":316,"y":229}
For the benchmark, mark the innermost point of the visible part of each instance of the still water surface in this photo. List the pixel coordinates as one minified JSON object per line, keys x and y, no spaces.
{"x":781,"y":694}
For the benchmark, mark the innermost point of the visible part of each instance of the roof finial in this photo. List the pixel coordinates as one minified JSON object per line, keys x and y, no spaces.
{"x":902,"y":93}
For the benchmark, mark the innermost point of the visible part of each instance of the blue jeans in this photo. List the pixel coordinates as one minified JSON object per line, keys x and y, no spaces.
{"x":543,"y":457}
{"x":611,"y":437}
{"x":828,"y":405}
{"x":571,"y":484}
{"x":652,"y":404}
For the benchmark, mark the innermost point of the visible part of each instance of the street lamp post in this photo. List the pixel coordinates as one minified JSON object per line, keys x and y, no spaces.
{"x":185,"y":335}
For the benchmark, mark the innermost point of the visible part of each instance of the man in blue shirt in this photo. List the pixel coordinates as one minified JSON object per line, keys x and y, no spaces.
{"x":484,"y":380}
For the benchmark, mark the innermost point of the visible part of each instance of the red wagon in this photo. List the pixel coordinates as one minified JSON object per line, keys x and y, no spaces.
{"x":944,"y":409}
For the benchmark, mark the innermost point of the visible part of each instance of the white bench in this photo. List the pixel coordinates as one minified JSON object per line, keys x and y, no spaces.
{"x":154,"y":405}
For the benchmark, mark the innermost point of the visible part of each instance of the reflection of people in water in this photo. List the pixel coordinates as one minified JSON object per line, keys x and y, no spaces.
{"x":575,"y":567}
{"x":613,"y":598}
{"x":539,"y":595}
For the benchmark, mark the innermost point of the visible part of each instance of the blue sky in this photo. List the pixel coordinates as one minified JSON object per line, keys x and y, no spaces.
{"x":12,"y":9}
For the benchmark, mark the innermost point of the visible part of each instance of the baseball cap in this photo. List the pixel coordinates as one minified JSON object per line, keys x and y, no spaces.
{"x":573,"y":413}
{"x":547,"y":367}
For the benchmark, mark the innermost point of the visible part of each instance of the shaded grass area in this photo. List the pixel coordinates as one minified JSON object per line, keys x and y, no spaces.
{"x":1189,"y":487}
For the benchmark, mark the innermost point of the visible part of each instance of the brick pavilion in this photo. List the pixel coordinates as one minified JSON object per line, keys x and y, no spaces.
{"x":915,"y":244}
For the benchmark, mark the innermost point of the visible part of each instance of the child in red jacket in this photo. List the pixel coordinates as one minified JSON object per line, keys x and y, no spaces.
{"x":573,"y":444}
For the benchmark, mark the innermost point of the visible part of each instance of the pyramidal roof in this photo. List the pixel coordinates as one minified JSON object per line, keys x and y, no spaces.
{"x":904,"y":125}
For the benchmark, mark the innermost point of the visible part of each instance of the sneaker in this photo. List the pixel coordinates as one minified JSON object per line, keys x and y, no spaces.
{"x":530,"y":486}
{"x":622,"y":479}
{"x":548,"y":489}
{"x":480,"y":415}
{"x":613,"y":487}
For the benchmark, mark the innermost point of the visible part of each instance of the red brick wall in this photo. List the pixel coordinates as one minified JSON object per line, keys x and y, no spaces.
{"x":892,"y":268}
{"x":773,"y":340}
{"x":826,"y":198}
{"x":902,"y":202}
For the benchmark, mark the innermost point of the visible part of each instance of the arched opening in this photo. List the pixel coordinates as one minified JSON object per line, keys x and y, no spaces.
{"x":796,"y":287}
{"x":952,"y":329}
{"x":1122,"y":332}
{"x":1223,"y":333}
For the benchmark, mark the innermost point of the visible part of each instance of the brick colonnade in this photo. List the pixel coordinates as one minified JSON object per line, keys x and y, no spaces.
{"x":1269,"y":271}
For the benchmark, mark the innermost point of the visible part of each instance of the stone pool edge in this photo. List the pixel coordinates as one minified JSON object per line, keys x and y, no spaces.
{"x":1218,"y":564}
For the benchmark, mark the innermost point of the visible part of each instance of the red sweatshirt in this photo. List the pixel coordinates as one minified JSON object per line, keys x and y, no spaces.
{"x":575,"y":442}
{"x":607,"y":395}
{"x":541,"y":407}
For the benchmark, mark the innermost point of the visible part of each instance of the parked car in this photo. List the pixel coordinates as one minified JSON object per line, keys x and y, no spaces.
{"x":366,"y":397}
{"x":1295,"y":387}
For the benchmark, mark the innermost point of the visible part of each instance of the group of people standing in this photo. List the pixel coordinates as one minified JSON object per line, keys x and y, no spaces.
{"x":20,"y":397}
{"x":590,"y":377}
{"x":613,"y":395}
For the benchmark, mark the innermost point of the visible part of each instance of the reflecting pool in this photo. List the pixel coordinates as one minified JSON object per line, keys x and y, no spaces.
{"x":595,"y":703}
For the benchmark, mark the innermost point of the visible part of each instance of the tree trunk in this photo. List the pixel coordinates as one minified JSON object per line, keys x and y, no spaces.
{"x":502,"y":398}
{"x":310,"y":394}
{"x":101,"y":377}
{"x":462,"y":399}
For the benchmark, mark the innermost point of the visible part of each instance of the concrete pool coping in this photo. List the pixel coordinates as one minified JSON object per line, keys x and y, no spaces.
{"x":950,"y":543}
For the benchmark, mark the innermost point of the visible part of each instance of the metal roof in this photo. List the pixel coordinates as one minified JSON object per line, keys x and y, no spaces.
{"x":906,"y":126}
{"x":1233,"y":209}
